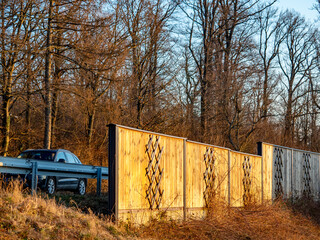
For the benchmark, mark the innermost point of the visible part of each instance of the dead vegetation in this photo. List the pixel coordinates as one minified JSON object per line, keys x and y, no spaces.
{"x":275,"y":221}
{"x":25,"y":217}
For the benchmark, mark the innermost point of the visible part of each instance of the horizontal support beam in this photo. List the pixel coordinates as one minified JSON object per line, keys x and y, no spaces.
{"x":68,"y":174}
{"x":22,"y":166}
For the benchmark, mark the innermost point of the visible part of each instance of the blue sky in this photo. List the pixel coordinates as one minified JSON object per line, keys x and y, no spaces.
{"x":302,"y":6}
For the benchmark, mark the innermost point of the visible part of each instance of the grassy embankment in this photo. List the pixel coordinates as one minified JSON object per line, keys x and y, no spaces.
{"x":25,"y":217}
{"x":68,"y":217}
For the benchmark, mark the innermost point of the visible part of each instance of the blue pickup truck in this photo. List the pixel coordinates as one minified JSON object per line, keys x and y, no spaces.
{"x":51,"y":184}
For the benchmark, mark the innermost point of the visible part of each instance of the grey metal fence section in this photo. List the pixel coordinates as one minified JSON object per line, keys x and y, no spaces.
{"x":35,"y":168}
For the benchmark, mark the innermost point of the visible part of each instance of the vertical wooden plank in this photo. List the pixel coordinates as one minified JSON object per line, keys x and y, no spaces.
{"x":313,"y":170}
{"x":222,"y":173}
{"x":236,"y":175}
{"x":287,"y":173}
{"x":134,"y":183}
{"x":260,"y":153}
{"x":268,"y":162}
{"x":317,"y":177}
{"x":295,"y":174}
{"x":229,"y":177}
{"x":298,"y":175}
{"x":291,"y":180}
{"x":256,"y":176}
{"x":194,"y":179}
{"x":184,"y":179}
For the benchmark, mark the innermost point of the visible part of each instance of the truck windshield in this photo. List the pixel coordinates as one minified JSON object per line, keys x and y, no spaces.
{"x":38,"y":155}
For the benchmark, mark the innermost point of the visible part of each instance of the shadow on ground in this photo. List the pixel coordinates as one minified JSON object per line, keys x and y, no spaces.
{"x":306,"y":207}
{"x":87,"y":203}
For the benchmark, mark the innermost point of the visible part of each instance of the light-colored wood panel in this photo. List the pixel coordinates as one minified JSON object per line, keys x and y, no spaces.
{"x":268,"y":162}
{"x":195,"y":184}
{"x":133,"y":162}
{"x":236,"y":176}
{"x":222,"y":171}
{"x":143,"y":216}
{"x":195,"y":180}
{"x":256,"y":184}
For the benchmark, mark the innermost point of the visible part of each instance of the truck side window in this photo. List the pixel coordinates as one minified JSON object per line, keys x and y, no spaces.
{"x":70,"y":158}
{"x":61,"y":155}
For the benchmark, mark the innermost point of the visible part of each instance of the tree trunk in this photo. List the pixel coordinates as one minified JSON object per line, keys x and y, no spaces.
{"x":47,"y":82}
{"x":28,"y":110}
{"x":91,"y":117}
{"x":54,"y":112}
{"x":289,"y":122}
{"x":7,"y":98}
{"x":6,"y":90}
{"x":265,"y":101}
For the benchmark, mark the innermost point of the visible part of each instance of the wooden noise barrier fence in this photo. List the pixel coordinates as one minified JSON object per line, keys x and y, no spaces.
{"x":153,"y":175}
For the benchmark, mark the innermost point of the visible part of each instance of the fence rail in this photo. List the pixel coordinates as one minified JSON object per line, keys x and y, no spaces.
{"x":36,"y":168}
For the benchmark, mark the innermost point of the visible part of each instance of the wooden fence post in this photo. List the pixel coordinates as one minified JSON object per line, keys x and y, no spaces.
{"x":113,"y":170}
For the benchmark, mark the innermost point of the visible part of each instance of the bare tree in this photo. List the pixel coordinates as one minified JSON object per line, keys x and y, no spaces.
{"x":145,"y":23}
{"x":100,"y":56}
{"x":205,"y":17}
{"x":220,"y":26}
{"x":296,"y":60}
{"x":270,"y":38}
{"x":16,"y":30}
{"x":47,"y":78}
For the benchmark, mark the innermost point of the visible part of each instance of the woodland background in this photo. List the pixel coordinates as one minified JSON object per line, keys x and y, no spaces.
{"x":225,"y":72}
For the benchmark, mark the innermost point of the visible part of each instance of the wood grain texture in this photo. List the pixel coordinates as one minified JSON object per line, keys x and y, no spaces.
{"x":295,"y":171}
{"x":268,"y":161}
{"x":195,"y":170}
{"x":256,"y":177}
{"x":132,"y":163}
{"x":186,"y":170}
{"x":236,"y":176}
{"x":315,"y":176}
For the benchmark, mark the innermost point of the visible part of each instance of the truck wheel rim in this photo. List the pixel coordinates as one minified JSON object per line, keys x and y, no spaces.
{"x":82,"y":187}
{"x":51,"y":186}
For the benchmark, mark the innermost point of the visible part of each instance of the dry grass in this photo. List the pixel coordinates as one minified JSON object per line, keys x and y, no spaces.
{"x":275,"y":221}
{"x":306,"y":207}
{"x":25,"y":217}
